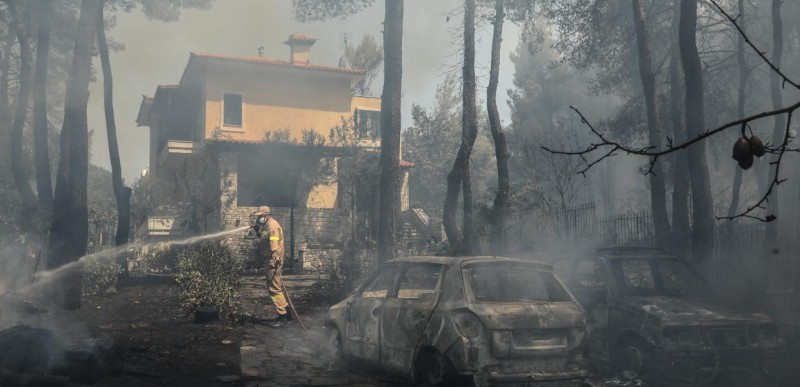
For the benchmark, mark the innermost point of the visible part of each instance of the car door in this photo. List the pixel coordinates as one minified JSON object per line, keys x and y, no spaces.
{"x":364,"y":315}
{"x":406,"y":314}
{"x":589,"y":284}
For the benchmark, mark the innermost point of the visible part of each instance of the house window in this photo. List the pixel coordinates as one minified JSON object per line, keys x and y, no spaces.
{"x":232,"y":114}
{"x":368,"y":123}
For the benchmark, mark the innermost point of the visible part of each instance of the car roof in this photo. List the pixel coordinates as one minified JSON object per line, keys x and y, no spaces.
{"x":469,"y":260}
{"x":637,"y":252}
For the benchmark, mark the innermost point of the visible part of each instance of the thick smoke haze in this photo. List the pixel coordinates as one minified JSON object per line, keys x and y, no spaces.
{"x":156,"y":53}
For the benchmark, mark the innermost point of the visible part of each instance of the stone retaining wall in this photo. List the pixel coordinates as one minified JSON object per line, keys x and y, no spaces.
{"x":319,"y":235}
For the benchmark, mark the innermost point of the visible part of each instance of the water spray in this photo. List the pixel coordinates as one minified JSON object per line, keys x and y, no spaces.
{"x":47,"y":276}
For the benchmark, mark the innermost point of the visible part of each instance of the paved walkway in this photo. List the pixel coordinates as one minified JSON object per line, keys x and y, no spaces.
{"x":287,"y":357}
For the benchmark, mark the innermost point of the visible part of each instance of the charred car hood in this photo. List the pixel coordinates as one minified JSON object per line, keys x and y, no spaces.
{"x":671,"y":310}
{"x":529,"y":316}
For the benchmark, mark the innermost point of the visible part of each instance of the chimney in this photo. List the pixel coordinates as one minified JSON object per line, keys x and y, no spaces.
{"x":300,"y":48}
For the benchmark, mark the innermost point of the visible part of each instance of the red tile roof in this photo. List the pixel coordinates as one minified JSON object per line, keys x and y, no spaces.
{"x":300,"y":38}
{"x":274,"y":62}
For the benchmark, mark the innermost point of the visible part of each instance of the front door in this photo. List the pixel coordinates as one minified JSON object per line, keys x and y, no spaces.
{"x":406,"y":315}
{"x":364,"y":316}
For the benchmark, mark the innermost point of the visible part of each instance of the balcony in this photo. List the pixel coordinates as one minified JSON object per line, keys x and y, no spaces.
{"x":174,"y":152}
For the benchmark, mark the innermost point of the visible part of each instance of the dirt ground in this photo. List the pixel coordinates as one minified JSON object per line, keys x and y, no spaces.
{"x":165,"y":348}
{"x":162,"y":347}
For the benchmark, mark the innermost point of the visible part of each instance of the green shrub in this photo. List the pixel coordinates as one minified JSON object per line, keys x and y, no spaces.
{"x":209,"y":275}
{"x":154,"y":259}
{"x":100,"y":274}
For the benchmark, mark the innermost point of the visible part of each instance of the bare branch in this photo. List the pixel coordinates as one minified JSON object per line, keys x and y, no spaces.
{"x":615,"y":147}
{"x":760,"y":53}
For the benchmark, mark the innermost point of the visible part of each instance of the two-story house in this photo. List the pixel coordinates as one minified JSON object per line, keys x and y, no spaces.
{"x":238,"y":132}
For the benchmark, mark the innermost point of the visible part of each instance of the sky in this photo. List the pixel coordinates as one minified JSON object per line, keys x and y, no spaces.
{"x":156,"y":53}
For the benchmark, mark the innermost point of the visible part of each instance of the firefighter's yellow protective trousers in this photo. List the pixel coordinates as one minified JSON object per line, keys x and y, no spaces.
{"x":273,"y":234}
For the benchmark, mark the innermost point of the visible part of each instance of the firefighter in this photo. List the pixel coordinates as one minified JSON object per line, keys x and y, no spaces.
{"x":270,"y":245}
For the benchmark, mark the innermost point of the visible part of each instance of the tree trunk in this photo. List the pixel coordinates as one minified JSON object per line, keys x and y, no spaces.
{"x":459,"y":174}
{"x":780,"y":119}
{"x":44,"y":184}
{"x":26,"y":194}
{"x":389,"y":198}
{"x":702,"y":203}
{"x":500,"y":207}
{"x":744,"y":72}
{"x":680,"y":190}
{"x":449,"y":213}
{"x":122,"y":194}
{"x":469,"y":123}
{"x":5,"y":67}
{"x":69,"y":230}
{"x":658,"y":195}
{"x":5,"y":108}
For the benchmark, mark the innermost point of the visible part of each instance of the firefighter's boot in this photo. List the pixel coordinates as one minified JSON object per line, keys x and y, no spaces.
{"x":281,"y":321}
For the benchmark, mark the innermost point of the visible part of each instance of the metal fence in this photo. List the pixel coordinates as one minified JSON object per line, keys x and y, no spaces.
{"x":742,"y":261}
{"x":579,"y":225}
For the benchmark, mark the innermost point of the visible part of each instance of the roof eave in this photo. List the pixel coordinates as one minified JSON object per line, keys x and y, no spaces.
{"x":143,"y":117}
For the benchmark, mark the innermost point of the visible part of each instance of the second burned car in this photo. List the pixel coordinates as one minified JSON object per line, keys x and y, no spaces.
{"x":446,"y":321}
{"x":651,"y":316}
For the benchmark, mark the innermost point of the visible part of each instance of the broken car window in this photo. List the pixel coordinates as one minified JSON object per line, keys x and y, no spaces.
{"x":680,"y":281}
{"x":638,"y":276}
{"x":589,"y":275}
{"x":419,"y":282}
{"x":659,"y":277}
{"x":514,"y":284}
{"x":380,"y":285}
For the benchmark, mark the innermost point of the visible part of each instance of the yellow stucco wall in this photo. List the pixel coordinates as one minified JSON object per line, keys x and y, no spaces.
{"x":366,"y":103}
{"x":324,"y":194}
{"x":279,"y":100}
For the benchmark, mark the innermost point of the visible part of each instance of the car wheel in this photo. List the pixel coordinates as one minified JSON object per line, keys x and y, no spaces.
{"x":631,"y":359}
{"x":436,"y":370}
{"x":336,"y":359}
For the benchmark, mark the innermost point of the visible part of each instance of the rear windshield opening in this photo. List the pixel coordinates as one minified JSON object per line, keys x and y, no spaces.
{"x":514,"y":284}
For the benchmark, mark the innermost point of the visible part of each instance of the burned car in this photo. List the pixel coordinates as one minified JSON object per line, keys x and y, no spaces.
{"x":651,"y":316}
{"x":451,"y":321}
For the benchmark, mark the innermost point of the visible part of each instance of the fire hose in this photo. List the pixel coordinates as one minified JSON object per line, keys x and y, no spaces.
{"x":291,"y":305}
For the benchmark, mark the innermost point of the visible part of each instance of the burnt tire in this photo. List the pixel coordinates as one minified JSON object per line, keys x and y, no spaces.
{"x":436,"y":370}
{"x":632,"y":359}
{"x":335,"y":355}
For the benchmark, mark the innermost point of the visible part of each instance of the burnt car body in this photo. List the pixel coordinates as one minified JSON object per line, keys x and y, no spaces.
{"x":649,"y":314}
{"x":487,"y":320}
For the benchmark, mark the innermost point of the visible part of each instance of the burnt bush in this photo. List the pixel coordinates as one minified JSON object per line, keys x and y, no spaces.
{"x":343,"y":275}
{"x":209,"y":276}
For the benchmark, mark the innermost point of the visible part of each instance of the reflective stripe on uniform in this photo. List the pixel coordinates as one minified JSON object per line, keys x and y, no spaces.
{"x":274,"y":238}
